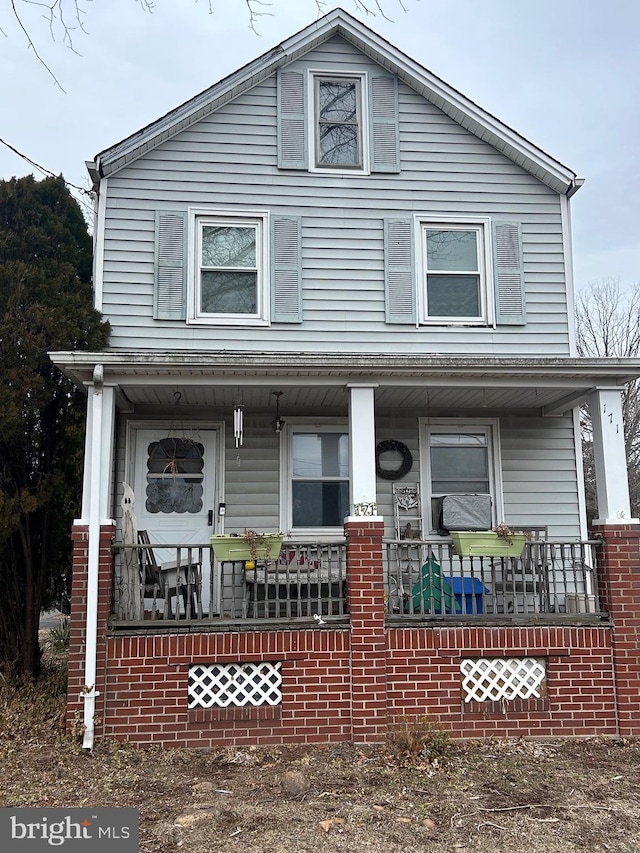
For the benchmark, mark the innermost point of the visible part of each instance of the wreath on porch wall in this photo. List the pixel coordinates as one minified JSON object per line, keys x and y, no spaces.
{"x":392,"y":446}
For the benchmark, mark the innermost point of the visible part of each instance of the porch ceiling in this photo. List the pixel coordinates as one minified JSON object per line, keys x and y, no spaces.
{"x":550,"y":385}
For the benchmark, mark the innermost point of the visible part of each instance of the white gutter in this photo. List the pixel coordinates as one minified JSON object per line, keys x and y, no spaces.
{"x":570,"y":287}
{"x":89,"y":692}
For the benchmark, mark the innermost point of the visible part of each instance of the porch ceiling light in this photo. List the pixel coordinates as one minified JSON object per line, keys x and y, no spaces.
{"x":277,"y":423}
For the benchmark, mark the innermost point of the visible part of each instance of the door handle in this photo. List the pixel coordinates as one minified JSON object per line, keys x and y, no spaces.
{"x":210,"y":518}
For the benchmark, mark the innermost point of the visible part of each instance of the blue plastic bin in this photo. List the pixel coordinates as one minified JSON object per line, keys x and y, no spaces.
{"x":467,"y":589}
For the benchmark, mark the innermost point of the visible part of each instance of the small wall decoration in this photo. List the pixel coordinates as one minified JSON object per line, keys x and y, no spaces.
{"x":392,"y":446}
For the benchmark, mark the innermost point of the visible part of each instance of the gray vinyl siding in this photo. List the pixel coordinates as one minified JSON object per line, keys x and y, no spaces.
{"x":539,"y":478}
{"x":228,"y":161}
{"x":252,"y":490}
{"x":539,"y":475}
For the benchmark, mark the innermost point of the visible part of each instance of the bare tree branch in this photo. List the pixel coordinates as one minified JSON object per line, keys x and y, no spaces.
{"x":608,"y":324}
{"x":31,"y":45}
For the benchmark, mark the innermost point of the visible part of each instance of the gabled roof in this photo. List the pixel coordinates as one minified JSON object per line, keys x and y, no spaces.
{"x":338,"y":22}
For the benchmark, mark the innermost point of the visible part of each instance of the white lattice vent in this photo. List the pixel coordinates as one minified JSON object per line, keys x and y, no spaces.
{"x":493,"y":679}
{"x":235,"y":685}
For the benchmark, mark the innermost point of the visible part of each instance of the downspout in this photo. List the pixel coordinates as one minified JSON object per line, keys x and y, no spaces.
{"x":89,"y":692}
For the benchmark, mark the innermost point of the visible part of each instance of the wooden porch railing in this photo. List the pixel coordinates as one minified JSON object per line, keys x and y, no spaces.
{"x":424,"y":580}
{"x":173,"y":582}
{"x":429,"y":580}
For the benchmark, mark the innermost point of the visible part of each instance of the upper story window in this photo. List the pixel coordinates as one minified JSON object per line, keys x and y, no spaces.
{"x":230,"y":275}
{"x":454,"y":285}
{"x":215,"y":267}
{"x":338,"y":122}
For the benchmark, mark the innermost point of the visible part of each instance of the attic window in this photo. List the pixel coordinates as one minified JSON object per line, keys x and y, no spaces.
{"x":338,"y":122}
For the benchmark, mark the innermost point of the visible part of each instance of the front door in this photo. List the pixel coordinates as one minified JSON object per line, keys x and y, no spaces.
{"x":175,"y":485}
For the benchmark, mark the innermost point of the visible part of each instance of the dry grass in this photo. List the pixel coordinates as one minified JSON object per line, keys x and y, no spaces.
{"x":418,"y":792}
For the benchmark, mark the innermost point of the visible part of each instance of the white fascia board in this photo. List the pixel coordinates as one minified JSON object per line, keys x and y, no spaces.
{"x":465,"y":112}
{"x":216,"y":96}
{"x":453,"y":103}
{"x":571,"y":373}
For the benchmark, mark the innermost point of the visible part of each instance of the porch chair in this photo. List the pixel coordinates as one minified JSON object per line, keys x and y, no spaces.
{"x":152,"y":580}
{"x":525,"y":582}
{"x":163,"y":581}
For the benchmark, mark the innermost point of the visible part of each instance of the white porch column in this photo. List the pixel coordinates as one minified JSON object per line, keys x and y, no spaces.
{"x":99,"y":448}
{"x":612,"y":483}
{"x":98,"y":454}
{"x":362,"y":449}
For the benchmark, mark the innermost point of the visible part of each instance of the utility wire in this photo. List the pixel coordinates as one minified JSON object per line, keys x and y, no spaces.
{"x":81,"y":190}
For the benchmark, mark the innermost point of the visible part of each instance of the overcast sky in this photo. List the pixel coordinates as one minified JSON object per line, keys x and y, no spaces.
{"x":564,"y":73}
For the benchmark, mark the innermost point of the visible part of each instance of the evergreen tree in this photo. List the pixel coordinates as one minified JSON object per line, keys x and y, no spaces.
{"x":45,"y":305}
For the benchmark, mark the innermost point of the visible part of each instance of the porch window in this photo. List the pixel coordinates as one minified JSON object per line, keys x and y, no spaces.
{"x":319,"y":482}
{"x":461,"y":459}
{"x":230,"y":277}
{"x":454,"y":277}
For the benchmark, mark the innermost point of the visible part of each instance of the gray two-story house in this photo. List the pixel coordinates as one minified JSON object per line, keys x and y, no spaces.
{"x":341,"y":307}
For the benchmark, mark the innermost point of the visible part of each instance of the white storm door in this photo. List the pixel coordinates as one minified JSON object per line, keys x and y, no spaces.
{"x":175,"y":484}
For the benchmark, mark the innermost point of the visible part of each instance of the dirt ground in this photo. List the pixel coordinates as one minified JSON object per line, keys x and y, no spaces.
{"x":408,"y":795}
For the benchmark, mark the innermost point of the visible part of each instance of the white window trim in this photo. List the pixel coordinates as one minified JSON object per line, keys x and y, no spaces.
{"x":495,"y":460}
{"x":365,"y":169}
{"x":487,"y":301}
{"x":234,"y":218}
{"x":315,"y":534}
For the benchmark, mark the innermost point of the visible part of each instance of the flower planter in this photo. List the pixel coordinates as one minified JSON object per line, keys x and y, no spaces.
{"x":475,"y":543}
{"x":229,"y":548}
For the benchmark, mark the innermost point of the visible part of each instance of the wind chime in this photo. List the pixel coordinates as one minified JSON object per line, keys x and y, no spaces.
{"x":238,"y":422}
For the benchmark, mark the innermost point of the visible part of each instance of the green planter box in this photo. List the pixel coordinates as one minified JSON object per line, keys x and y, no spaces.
{"x":230,"y":548}
{"x":476,"y":543}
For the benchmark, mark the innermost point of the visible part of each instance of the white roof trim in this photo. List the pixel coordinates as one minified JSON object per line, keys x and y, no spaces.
{"x":611,"y":371}
{"x":454,"y":104}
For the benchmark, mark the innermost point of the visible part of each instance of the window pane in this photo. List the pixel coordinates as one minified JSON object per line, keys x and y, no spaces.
{"x":228,"y":292}
{"x":452,"y":250}
{"x":460,"y":487}
{"x":456,"y":439}
{"x":460,"y":464}
{"x":339,"y":145}
{"x":319,"y":504}
{"x":168,"y":489}
{"x":324,"y":454}
{"x":173,"y":494}
{"x":337,"y":101}
{"x":453,"y":295}
{"x":224,"y":246}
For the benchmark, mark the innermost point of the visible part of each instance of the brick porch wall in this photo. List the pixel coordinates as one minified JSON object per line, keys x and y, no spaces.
{"x":348,"y":682}
{"x":423,"y":672}
{"x":619,"y":575}
{"x":146,"y":697}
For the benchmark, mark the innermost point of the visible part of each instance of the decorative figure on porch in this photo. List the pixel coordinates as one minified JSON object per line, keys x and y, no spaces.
{"x":129,"y":603}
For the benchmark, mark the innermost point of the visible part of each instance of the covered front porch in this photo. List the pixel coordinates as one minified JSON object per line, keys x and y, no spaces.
{"x":209,"y":446}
